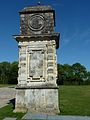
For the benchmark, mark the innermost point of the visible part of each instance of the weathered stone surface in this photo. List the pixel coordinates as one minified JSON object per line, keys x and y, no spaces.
{"x":52,"y":37}
{"x":36,"y":64}
{"x":30,"y":116}
{"x":50,"y":64}
{"x":48,"y":21}
{"x":57,"y":117}
{"x":37,"y":100}
{"x":36,"y":8}
{"x":37,"y":89}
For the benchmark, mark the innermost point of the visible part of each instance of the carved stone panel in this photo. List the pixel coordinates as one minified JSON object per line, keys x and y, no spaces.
{"x":36,"y":64}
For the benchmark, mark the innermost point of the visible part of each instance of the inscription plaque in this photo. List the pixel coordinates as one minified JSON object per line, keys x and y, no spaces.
{"x":36,"y":64}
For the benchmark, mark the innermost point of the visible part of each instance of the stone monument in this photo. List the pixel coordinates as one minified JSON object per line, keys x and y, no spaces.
{"x":37,"y":91}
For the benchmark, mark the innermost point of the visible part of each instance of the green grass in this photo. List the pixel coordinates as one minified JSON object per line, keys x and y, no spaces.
{"x":7,"y":111}
{"x":74,"y":100}
{"x":6,"y":85}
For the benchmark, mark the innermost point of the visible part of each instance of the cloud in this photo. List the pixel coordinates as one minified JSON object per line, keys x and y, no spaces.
{"x":77,"y":36}
{"x":66,"y":40}
{"x":85,"y":37}
{"x":85,"y":34}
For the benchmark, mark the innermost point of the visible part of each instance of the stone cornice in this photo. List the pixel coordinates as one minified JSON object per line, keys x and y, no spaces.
{"x":39,"y":37}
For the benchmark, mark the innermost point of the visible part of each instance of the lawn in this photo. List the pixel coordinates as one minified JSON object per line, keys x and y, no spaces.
{"x":7,"y":111}
{"x":74,"y":100}
{"x":7,"y":85}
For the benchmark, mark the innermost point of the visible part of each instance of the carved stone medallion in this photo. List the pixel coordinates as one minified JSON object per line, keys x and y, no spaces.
{"x":36,"y":22}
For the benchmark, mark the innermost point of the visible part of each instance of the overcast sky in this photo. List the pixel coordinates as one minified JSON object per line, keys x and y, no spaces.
{"x":72,"y":22}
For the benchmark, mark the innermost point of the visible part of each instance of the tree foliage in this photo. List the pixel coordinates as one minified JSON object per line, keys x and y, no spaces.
{"x":8,"y":72}
{"x":73,"y":74}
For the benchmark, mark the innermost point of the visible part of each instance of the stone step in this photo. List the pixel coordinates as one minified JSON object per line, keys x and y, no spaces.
{"x":59,"y":117}
{"x":30,"y":116}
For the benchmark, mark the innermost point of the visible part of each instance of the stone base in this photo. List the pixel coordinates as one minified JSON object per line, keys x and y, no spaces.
{"x":37,"y":100}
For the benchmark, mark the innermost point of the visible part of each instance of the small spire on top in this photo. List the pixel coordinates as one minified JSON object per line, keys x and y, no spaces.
{"x":39,"y":3}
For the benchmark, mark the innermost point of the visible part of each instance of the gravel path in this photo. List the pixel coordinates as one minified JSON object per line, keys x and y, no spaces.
{"x":6,"y":94}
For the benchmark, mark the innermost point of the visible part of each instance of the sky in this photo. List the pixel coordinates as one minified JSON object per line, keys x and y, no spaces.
{"x":72,"y":22}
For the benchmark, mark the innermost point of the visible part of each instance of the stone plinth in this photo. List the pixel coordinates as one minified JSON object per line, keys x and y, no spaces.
{"x":37,"y":100}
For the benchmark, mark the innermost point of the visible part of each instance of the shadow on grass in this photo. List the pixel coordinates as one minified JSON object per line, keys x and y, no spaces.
{"x":7,"y":111}
{"x":12,"y":101}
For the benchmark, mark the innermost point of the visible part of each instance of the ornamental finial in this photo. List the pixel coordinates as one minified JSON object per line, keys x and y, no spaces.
{"x":39,"y":3}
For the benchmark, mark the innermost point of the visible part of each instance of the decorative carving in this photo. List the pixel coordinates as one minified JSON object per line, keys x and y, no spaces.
{"x":22,"y":50}
{"x":36,"y":22}
{"x":50,"y":64}
{"x":23,"y":71}
{"x":50,"y":50}
{"x":23,"y":64}
{"x":50,"y":57}
{"x":22,"y":58}
{"x":50,"y":70}
{"x":50,"y":78}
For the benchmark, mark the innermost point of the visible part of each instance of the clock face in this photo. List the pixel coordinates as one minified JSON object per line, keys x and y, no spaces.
{"x":36,"y":22}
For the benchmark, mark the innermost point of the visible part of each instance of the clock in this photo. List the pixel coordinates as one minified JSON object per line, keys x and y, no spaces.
{"x":36,"y":22}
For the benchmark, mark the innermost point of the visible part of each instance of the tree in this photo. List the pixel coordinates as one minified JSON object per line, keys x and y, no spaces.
{"x":4,"y":72}
{"x":75,"y":74}
{"x":60,"y":74}
{"x":87,"y":78}
{"x":78,"y":72}
{"x":13,"y":73}
{"x":64,"y":74}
